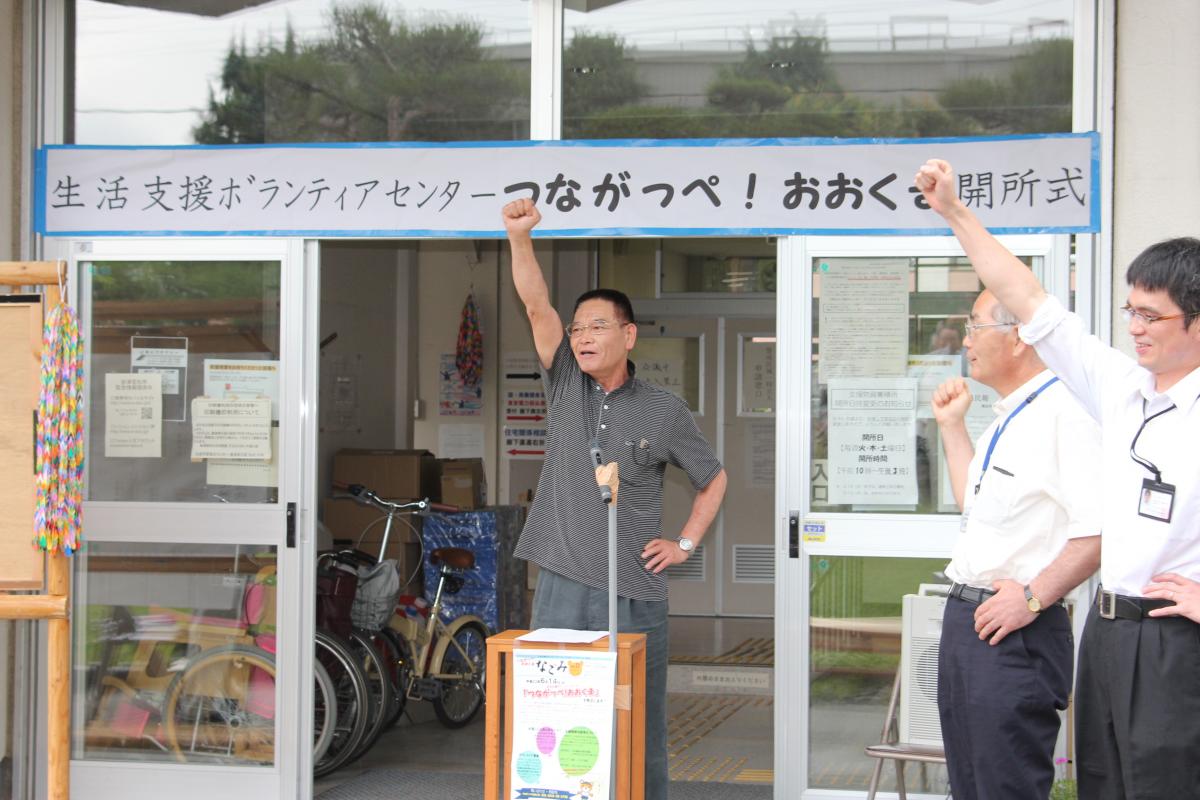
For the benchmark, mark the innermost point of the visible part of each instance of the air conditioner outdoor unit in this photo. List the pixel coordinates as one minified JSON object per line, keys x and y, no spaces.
{"x":919,"y":641}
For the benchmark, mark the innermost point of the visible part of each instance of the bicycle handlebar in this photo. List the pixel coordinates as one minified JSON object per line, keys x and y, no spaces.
{"x":367,"y":497}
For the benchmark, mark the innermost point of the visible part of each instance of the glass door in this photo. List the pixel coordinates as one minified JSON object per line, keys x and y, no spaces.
{"x":192,"y":603}
{"x":867,"y":516}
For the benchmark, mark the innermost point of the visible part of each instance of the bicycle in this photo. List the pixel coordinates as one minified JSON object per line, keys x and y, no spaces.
{"x":443,"y":663}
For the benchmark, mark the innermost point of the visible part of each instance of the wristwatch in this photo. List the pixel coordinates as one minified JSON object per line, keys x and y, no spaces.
{"x":686,"y":544}
{"x":1031,"y":601}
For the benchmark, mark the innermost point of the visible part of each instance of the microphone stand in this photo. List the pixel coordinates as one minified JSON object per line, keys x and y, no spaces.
{"x":608,"y":482}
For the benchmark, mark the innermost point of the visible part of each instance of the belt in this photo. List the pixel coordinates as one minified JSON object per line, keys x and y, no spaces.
{"x":970,"y":594}
{"x":1113,"y":605}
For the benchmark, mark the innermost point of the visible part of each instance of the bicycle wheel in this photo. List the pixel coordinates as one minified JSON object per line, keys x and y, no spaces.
{"x":395,"y":652}
{"x":380,"y":683}
{"x":461,"y":672}
{"x":221,"y":707}
{"x":324,"y":711}
{"x":352,"y":697}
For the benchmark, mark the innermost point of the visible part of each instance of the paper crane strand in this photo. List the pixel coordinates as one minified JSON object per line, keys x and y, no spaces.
{"x":468,"y":355}
{"x":57,"y":521}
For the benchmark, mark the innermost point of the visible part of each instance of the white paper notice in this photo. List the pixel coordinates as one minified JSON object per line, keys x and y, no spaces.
{"x":242,"y":378}
{"x":231,"y":428}
{"x":562,"y":724}
{"x":460,"y":441}
{"x":562,"y":636}
{"x":930,"y":372}
{"x":231,"y":472}
{"x":760,"y":454}
{"x":872,"y":441}
{"x":864,"y":319}
{"x":132,"y":415}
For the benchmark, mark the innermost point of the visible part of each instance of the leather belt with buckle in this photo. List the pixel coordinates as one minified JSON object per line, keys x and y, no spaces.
{"x":970,"y":594}
{"x":1113,"y":606}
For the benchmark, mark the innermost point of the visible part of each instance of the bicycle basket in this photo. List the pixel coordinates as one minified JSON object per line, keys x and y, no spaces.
{"x":375,"y":600}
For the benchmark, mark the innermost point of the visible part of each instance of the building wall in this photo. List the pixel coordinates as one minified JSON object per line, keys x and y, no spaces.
{"x":1157,"y":131}
{"x":11,"y":37}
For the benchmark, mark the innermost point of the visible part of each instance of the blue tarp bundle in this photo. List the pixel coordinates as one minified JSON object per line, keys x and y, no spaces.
{"x":495,"y":589}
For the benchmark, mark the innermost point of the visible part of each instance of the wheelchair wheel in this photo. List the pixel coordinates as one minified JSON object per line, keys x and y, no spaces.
{"x":324,"y":711}
{"x":395,"y":652}
{"x":379,"y":682}
{"x":221,"y":707}
{"x":461,"y":673}
{"x":351,"y":696}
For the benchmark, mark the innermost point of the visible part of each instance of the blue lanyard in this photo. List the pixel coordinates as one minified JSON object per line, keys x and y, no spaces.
{"x":996,"y":436}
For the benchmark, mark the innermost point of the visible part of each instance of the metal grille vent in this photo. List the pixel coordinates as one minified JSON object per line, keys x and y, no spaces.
{"x":694,"y":569}
{"x":753,"y":563}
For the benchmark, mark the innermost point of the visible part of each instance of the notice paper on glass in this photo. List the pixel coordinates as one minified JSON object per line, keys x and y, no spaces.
{"x":168,"y":356}
{"x":562,"y":724}
{"x":133,"y":415}
{"x":872,"y":441}
{"x":930,"y":372}
{"x":232,"y":472}
{"x":864,"y":319}
{"x":230,"y":377}
{"x":231,"y":428}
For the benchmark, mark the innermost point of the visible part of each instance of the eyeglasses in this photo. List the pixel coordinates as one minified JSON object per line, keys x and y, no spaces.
{"x":598,"y":326}
{"x":1129,"y":314}
{"x":971,"y":327}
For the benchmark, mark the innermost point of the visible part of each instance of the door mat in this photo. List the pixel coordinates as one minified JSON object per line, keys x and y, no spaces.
{"x":757,"y":652}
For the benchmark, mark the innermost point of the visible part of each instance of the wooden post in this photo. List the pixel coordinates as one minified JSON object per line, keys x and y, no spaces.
{"x":53,"y":606}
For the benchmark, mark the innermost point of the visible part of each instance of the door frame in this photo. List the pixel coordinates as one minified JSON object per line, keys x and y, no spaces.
{"x":106,"y":521}
{"x":857,"y":534}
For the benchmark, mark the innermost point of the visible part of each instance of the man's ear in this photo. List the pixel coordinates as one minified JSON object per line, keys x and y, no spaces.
{"x":630,"y":335}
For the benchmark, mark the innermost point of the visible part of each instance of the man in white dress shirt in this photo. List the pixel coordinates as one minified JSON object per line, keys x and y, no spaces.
{"x":1030,"y":494}
{"x":1138,"y":694}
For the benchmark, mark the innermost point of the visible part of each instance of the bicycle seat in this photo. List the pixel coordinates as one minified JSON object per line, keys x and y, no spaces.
{"x":453,"y":557}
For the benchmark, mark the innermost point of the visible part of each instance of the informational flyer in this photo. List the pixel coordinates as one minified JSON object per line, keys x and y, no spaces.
{"x":864,"y":319}
{"x":242,"y":378}
{"x":930,"y":371}
{"x":234,"y":472}
{"x":231,"y":428}
{"x":455,"y":398}
{"x":872,"y":441}
{"x":133,"y":415}
{"x":168,"y":356}
{"x":981,"y":414}
{"x":758,"y":376}
{"x":562,"y":724}
{"x":460,"y":440}
{"x":760,"y":453}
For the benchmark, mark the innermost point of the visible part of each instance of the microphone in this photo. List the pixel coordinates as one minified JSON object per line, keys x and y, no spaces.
{"x":598,"y":461}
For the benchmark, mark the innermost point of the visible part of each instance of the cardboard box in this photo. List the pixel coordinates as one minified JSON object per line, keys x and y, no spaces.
{"x":463,"y":484}
{"x":359,"y":525}
{"x":391,"y":474}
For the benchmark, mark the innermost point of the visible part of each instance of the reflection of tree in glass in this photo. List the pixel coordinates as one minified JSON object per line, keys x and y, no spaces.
{"x":371,"y":77}
{"x":598,"y":74}
{"x":788,"y":87}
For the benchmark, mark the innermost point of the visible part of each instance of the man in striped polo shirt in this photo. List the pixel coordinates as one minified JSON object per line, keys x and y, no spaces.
{"x":593,"y":396}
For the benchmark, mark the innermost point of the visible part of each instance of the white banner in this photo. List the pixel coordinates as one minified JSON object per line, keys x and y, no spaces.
{"x":695,"y":187}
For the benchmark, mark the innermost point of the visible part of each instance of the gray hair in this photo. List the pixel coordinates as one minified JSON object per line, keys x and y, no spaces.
{"x":1002,"y":314}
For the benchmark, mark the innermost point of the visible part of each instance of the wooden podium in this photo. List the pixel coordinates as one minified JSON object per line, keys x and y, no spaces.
{"x":630,"y":701}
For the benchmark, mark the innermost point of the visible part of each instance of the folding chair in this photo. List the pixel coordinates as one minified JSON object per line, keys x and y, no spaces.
{"x":901,"y":752}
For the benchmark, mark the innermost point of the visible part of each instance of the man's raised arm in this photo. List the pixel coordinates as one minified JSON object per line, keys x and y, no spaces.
{"x":1010,"y":280}
{"x":520,"y":217}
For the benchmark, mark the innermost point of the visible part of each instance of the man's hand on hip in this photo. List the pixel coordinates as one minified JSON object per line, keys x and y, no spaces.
{"x":1003,"y":612}
{"x":662,"y":553}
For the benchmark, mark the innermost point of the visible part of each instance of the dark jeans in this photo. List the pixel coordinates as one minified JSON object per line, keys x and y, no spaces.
{"x":999,"y":705}
{"x":1137,"y":709}
{"x":560,"y":602}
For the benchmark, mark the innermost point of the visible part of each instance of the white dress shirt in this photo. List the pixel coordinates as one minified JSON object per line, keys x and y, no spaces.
{"x":1113,"y":388}
{"x":1042,"y":488}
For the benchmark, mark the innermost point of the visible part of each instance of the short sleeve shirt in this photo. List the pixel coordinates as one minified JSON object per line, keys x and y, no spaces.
{"x":642,"y":428}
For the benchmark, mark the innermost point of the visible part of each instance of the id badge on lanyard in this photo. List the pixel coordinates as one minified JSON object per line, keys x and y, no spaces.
{"x":1157,"y":499}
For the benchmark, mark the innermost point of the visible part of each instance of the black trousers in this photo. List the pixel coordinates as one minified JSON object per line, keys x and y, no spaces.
{"x":999,"y":705}
{"x":1138,"y":709}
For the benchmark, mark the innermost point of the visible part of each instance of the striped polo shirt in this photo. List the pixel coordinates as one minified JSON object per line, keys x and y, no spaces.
{"x":641,"y":427}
